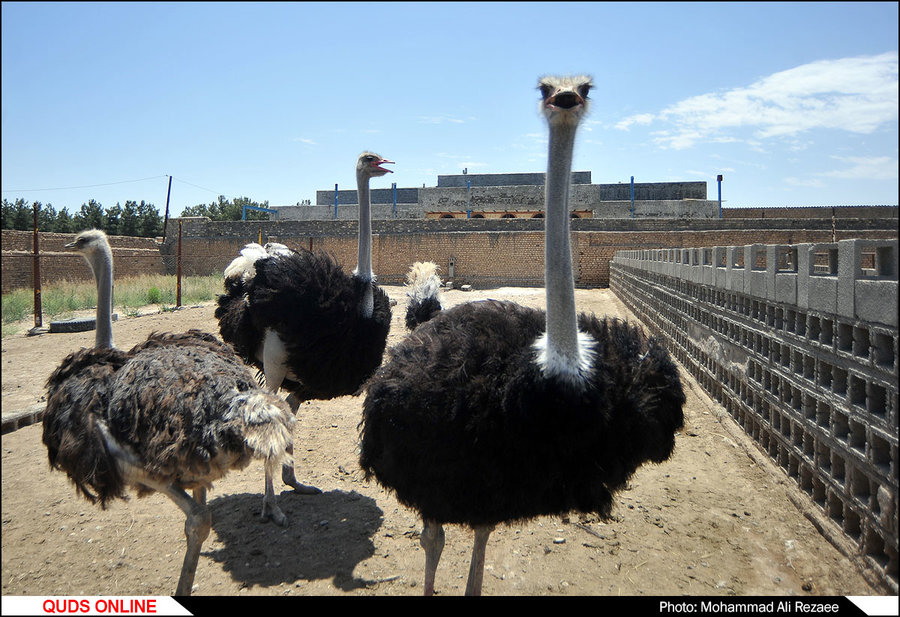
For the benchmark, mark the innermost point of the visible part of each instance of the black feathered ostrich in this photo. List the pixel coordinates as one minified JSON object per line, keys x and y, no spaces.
{"x":424,"y":286}
{"x":175,"y":412}
{"x":310,"y":327}
{"x":492,"y":413}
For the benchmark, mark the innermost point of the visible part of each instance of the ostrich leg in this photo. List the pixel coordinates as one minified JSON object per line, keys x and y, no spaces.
{"x":476,"y":567}
{"x":270,"y":509}
{"x":196,"y":528}
{"x":432,"y":540}
{"x":288,"y":475}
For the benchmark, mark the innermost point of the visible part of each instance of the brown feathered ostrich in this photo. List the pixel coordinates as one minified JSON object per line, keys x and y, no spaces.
{"x":492,"y":413}
{"x":311,"y":328}
{"x":174,"y":413}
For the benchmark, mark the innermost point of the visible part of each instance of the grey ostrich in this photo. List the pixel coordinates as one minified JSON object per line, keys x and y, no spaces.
{"x":311,"y":328}
{"x":492,"y":413}
{"x":424,"y":285}
{"x":175,"y":412}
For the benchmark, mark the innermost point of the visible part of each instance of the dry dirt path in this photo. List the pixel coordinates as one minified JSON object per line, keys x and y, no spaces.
{"x":716,"y":519}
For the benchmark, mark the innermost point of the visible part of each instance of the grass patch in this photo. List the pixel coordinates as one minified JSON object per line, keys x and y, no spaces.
{"x":129,"y":294}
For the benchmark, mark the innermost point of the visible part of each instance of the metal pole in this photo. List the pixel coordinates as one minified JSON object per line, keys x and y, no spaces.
{"x":394,"y":189}
{"x":166,"y":220}
{"x":468,"y":199}
{"x":38,"y":318}
{"x":178,"y":270}
{"x":719,"y":180}
{"x":632,"y":196}
{"x":335,"y":201}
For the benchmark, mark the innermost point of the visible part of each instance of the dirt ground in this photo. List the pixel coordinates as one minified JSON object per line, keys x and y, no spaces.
{"x":716,"y":519}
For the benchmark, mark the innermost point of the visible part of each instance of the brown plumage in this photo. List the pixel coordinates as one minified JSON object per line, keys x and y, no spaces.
{"x":174,"y":413}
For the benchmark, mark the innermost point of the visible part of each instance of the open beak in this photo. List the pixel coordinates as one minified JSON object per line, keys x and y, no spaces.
{"x":378,"y":165}
{"x":565,"y":100}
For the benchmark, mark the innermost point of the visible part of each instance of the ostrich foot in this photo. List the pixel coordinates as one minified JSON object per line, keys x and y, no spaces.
{"x":287,"y":475}
{"x":272,"y":512}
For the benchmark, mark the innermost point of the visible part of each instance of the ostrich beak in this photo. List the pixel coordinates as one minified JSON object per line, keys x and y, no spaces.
{"x":565,"y":100}
{"x":70,"y":245}
{"x":378,"y":165}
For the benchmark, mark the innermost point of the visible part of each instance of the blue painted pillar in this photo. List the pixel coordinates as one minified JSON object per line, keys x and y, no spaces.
{"x":632,"y":196}
{"x":719,"y":180}
{"x":335,"y":200}
{"x":394,"y":189}
{"x":468,"y":199}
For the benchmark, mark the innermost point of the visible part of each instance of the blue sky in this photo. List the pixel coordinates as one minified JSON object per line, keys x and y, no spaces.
{"x":793,"y":103}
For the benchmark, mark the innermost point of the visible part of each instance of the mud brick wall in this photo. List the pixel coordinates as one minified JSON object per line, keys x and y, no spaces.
{"x":489,"y":252}
{"x":799,"y":343}
{"x":132,"y":256}
{"x":485,"y":252}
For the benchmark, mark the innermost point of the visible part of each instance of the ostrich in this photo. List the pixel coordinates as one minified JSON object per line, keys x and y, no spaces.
{"x":424,"y":283}
{"x":493,"y":413}
{"x":308,"y":326}
{"x":175,"y":412}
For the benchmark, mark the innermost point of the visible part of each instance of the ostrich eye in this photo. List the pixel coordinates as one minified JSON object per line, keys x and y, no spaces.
{"x":583,"y":90}
{"x":546,"y":90}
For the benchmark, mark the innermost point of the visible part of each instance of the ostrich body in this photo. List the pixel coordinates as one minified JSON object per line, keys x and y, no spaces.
{"x":174,"y":413}
{"x":424,"y":284}
{"x":311,"y":328}
{"x":492,"y":413}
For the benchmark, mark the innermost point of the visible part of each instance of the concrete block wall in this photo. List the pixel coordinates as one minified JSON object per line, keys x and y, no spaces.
{"x":799,"y":343}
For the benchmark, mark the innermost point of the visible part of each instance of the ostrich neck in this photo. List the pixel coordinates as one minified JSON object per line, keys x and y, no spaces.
{"x":562,"y":326}
{"x":103,"y":271}
{"x":364,"y":256}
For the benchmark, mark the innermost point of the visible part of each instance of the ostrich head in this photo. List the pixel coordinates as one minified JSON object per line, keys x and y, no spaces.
{"x":89,"y":243}
{"x":564,"y":100}
{"x":369,"y":165}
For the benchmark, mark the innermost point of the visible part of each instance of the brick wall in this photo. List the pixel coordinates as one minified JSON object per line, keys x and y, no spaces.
{"x":823,"y":212}
{"x":486,"y":252}
{"x":132,"y":256}
{"x":490,"y":252}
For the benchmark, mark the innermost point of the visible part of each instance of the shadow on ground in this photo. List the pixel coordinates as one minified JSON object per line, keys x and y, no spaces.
{"x":327,"y":536}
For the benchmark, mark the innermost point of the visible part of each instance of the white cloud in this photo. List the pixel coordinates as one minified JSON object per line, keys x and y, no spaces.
{"x":626,"y":123}
{"x":440,"y":120}
{"x":865,"y":168}
{"x":856,"y":94}
{"x":304,"y":140}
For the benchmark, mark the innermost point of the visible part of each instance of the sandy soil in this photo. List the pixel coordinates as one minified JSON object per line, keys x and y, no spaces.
{"x":716,"y":519}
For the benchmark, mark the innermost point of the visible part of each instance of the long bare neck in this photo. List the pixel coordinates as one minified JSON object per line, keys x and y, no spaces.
{"x":102,"y":265}
{"x":364,"y":255}
{"x":562,"y":346}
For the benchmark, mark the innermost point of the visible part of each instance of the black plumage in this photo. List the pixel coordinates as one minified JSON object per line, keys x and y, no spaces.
{"x":491,"y":412}
{"x":308,"y":326}
{"x":462,"y":426}
{"x":314,"y":306}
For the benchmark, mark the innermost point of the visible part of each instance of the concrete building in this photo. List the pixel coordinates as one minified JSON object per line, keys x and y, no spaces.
{"x":514,"y":195}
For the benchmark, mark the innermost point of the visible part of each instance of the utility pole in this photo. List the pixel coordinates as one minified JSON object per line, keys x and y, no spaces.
{"x":166,"y":220}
